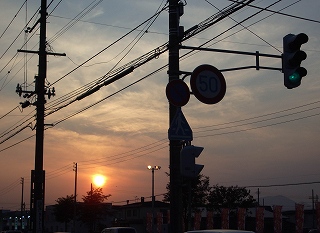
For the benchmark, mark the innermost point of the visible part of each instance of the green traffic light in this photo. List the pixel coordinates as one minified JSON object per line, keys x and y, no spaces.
{"x":295,"y":77}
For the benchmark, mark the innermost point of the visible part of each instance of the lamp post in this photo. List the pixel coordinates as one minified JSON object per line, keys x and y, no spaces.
{"x":153,"y":198}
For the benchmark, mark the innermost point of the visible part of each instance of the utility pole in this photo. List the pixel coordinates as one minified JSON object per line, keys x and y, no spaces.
{"x":314,"y":200}
{"x":38,"y":174}
{"x":175,"y":145}
{"x":22,"y":203}
{"x":75,"y":168}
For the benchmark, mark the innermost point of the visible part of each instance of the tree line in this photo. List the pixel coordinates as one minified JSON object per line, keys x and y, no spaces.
{"x":196,"y":193}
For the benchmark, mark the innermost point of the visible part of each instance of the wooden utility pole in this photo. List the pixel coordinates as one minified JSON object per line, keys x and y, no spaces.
{"x":38,"y":174}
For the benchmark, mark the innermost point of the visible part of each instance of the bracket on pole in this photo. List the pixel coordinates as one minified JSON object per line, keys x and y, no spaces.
{"x":257,"y":54}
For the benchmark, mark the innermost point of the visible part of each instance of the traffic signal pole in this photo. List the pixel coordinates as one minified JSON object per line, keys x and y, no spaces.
{"x":175,"y":145}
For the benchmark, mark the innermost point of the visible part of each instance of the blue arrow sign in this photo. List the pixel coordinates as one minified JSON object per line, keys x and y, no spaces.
{"x":180,"y":129}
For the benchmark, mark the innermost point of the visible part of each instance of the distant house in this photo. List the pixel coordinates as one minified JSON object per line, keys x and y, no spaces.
{"x":135,"y":215}
{"x":52,"y":225}
{"x":310,"y":221}
{"x":14,"y":220}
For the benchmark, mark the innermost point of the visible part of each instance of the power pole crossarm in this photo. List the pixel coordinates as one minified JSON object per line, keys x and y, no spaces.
{"x":37,"y":52}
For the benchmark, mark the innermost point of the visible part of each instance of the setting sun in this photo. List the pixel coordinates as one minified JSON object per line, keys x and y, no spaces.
{"x":99,"y":180}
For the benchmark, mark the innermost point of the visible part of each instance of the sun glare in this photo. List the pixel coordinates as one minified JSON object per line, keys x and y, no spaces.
{"x":99,"y":180}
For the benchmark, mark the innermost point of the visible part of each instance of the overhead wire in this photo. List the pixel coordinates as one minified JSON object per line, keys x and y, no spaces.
{"x":281,"y":13}
{"x":21,"y":122}
{"x":104,"y":49}
{"x":301,"y":118}
{"x":25,"y":29}
{"x":87,"y":86}
{"x":14,"y":40}
{"x":245,"y":27}
{"x":78,"y":112}
{"x":149,"y":56}
{"x":14,"y":17}
{"x":72,"y":22}
{"x":202,"y":27}
{"x":16,"y":54}
{"x":257,"y":127}
{"x":128,"y":155}
{"x":10,"y":187}
{"x":4,"y":84}
{"x":26,"y":60}
{"x":267,"y":114}
{"x":79,"y":90}
{"x":21,"y":128}
{"x":190,"y":53}
{"x":59,"y":172}
{"x":133,"y":151}
{"x":155,"y":146}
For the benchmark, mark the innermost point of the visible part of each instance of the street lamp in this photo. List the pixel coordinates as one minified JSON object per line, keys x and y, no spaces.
{"x":153,"y":198}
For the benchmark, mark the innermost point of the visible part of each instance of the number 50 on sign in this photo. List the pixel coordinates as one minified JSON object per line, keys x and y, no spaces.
{"x":208,"y":84}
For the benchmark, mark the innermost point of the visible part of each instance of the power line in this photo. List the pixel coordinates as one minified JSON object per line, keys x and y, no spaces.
{"x":72,"y":22}
{"x":263,"y":120}
{"x":76,"y":113}
{"x":156,"y":144}
{"x":283,"y":185}
{"x":153,"y":54}
{"x":246,"y":28}
{"x":10,"y":187}
{"x":258,"y":127}
{"x":14,"y":17}
{"x":264,"y":115}
{"x":101,"y":51}
{"x":280,"y":13}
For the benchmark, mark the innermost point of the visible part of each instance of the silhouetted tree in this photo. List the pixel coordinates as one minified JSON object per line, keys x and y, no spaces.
{"x":92,"y":208}
{"x":215,"y":197}
{"x":198,"y":189}
{"x":230,"y":197}
{"x":64,"y":210}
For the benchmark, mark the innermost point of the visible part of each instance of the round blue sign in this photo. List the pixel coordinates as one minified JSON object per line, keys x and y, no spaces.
{"x":178,"y":92}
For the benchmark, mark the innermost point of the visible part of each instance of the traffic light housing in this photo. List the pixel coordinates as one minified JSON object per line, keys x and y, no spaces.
{"x":188,"y":167}
{"x":291,"y":59}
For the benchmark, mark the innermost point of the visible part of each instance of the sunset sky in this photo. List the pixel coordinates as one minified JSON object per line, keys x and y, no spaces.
{"x":261,"y":135}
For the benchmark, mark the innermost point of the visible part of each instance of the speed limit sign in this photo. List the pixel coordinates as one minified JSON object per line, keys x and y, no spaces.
{"x":208,"y":84}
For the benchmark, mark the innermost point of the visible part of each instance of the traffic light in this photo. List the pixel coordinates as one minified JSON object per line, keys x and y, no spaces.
{"x":188,"y":167}
{"x":291,"y":59}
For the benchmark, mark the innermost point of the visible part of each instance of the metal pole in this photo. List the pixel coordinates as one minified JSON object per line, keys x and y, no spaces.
{"x":75,"y":197}
{"x":313,"y":210}
{"x":38,"y":205}
{"x":152,"y":208}
{"x":22,"y":204}
{"x":175,"y":145}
